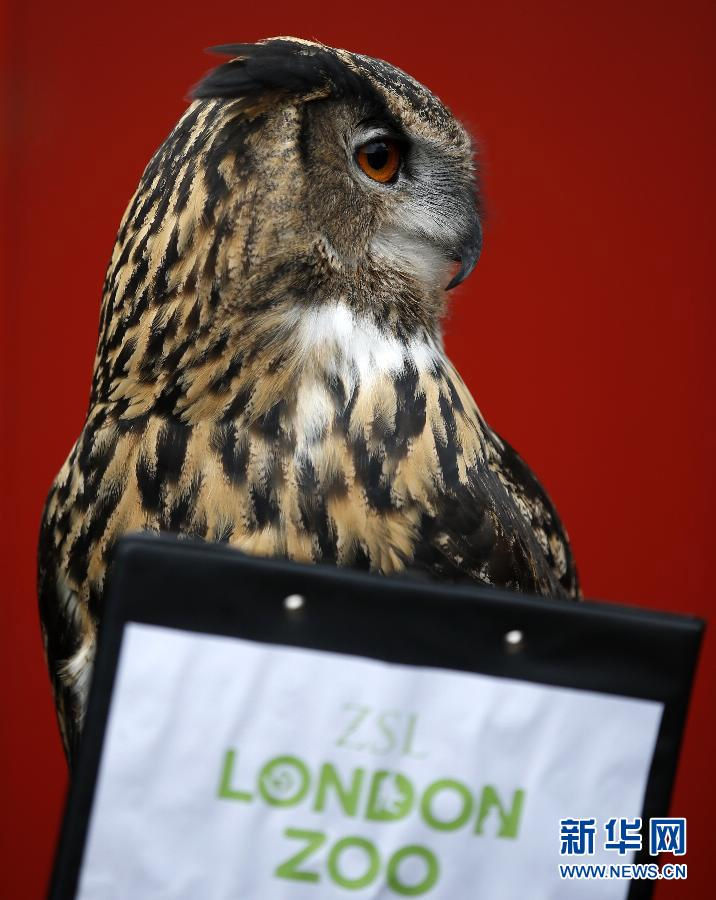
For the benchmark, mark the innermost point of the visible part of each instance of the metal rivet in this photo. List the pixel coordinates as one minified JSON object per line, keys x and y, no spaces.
{"x":514,"y":641}
{"x":293,"y":602}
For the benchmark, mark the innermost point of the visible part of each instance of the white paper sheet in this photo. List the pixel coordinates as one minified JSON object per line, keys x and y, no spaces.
{"x":191,"y":712}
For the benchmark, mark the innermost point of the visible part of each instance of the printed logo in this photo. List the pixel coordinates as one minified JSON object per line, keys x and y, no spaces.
{"x":577,"y":836}
{"x":623,"y":835}
{"x":667,"y":836}
{"x":374,"y":794}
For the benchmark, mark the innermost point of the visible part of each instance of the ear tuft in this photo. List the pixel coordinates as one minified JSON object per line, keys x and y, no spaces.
{"x":280,"y":66}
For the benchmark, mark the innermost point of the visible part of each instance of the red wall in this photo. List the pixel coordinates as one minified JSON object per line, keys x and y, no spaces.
{"x":585,"y":333}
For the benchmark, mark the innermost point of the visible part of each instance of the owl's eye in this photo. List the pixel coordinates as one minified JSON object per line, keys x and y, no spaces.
{"x":380,"y":159}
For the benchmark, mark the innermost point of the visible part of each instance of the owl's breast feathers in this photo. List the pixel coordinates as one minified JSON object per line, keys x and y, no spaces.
{"x":390,"y":468}
{"x":371,"y":455}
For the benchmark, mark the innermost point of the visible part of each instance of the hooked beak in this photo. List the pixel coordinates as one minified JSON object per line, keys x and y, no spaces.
{"x":468,"y":250}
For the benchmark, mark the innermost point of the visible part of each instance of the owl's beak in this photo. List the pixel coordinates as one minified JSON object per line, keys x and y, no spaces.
{"x":468,"y":250}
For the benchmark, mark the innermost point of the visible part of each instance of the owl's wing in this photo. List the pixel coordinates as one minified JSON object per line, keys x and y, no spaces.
{"x":491,"y":520}
{"x":538,"y":512}
{"x":501,"y":529}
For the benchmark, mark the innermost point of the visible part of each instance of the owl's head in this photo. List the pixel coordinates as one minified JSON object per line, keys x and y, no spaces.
{"x":385,"y":169}
{"x":300,"y":176}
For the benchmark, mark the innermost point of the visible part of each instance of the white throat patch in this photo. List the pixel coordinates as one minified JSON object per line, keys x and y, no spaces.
{"x":358,"y":350}
{"x":355,"y":350}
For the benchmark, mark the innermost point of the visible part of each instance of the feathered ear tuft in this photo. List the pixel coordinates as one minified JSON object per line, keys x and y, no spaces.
{"x":281,"y":66}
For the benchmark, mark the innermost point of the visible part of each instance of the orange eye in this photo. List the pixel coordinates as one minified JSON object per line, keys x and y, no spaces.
{"x":379,"y":159}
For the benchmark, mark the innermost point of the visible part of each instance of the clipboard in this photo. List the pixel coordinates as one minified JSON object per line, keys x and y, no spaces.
{"x":246,"y":711}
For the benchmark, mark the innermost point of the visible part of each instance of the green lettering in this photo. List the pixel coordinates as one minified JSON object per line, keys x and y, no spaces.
{"x":225,"y":789}
{"x":509,"y":821}
{"x":446,"y":784}
{"x":289,"y":869}
{"x":348,"y":797}
{"x":356,"y":882}
{"x":409,"y":735}
{"x":353,"y":726}
{"x":284,"y":781}
{"x":432,"y":870}
{"x":389,"y":800}
{"x":387,"y":731}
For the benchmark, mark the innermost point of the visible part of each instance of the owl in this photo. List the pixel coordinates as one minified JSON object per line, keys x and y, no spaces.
{"x":270,"y":370}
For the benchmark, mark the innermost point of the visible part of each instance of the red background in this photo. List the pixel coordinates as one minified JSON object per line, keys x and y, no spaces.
{"x":585,"y":333}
